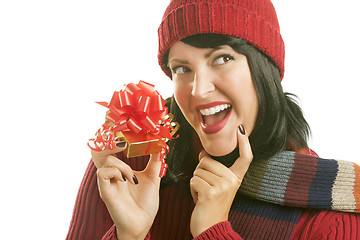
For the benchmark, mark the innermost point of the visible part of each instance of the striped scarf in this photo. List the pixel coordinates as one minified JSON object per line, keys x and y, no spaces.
{"x":274,"y":192}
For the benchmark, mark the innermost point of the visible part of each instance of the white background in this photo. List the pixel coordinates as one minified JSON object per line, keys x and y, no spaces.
{"x":58,"y":57}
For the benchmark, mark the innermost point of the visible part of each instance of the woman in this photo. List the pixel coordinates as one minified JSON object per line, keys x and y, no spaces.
{"x":241,"y":167}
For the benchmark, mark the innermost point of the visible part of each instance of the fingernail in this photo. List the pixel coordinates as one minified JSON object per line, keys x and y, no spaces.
{"x":242,"y":129}
{"x":123,"y":178}
{"x":121,"y":144}
{"x":136,"y":181}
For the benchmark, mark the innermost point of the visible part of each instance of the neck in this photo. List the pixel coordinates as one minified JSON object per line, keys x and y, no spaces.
{"x":228,"y":159}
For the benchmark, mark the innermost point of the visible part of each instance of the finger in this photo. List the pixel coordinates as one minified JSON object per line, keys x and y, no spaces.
{"x":117,"y":147}
{"x":194,"y":195}
{"x":154,"y":165}
{"x":126,"y":171}
{"x":211,"y":165}
{"x":99,"y":157}
{"x":203,"y":154}
{"x":209,"y":177}
{"x":105,"y":175}
{"x":241,"y":165}
{"x":196,"y":186}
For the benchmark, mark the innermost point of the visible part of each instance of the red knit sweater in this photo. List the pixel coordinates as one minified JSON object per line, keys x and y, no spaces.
{"x":91,"y":219}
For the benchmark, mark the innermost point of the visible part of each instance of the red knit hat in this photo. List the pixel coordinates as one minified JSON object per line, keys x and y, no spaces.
{"x":255,"y":21}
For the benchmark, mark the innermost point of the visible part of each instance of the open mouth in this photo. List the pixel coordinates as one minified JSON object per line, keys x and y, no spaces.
{"x":214,"y":118}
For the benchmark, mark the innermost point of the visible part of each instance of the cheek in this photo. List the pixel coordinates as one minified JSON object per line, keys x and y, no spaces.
{"x":249,"y":106}
{"x":183,"y":99}
{"x":239,"y":87}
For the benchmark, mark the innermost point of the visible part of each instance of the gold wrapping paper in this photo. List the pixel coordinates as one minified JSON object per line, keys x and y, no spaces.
{"x":140,"y":144}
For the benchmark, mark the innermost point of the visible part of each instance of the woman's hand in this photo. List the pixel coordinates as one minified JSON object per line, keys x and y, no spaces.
{"x":214,"y":186}
{"x":131,"y":197}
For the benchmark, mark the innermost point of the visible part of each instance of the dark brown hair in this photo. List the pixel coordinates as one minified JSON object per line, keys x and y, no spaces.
{"x":280,"y":123}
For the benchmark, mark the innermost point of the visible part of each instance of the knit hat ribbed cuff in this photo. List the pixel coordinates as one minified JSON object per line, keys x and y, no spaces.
{"x":254,"y":21}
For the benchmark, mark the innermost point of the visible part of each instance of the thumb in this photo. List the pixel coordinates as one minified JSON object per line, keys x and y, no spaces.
{"x":241,"y":165}
{"x":154,"y":165}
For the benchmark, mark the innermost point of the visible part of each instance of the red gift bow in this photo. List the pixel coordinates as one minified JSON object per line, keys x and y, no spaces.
{"x":138,"y":108}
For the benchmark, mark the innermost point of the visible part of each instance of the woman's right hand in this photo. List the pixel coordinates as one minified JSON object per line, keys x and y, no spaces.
{"x":131,"y":197}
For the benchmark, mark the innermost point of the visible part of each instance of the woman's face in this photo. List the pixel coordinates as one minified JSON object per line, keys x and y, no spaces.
{"x":215,"y":92}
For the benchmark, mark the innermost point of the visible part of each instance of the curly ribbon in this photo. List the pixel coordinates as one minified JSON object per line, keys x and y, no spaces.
{"x":138,"y":108}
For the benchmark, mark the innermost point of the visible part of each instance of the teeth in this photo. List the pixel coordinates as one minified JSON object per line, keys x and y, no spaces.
{"x":213,"y":110}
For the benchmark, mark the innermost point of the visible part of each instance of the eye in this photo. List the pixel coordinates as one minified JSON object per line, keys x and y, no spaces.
{"x":223,"y":59}
{"x":180,"y":70}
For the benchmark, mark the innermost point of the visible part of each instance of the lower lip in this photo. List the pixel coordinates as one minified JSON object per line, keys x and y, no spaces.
{"x":216,"y":127}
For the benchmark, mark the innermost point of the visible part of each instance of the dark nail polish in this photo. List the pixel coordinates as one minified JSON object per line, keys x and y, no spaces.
{"x":121,"y":144}
{"x":242,"y":129}
{"x":124,"y":178}
{"x":136,"y":181}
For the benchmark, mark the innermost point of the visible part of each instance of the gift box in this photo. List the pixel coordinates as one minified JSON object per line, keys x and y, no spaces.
{"x":140,"y":144}
{"x":136,"y":114}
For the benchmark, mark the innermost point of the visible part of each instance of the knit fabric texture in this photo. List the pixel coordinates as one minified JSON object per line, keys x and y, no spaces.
{"x":255,"y":21}
{"x":277,"y":200}
{"x":300,"y":180}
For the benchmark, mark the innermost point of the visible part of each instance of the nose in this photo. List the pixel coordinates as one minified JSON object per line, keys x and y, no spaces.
{"x":203,"y":84}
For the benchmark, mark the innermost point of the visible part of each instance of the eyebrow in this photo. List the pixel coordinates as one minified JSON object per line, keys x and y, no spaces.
{"x":207,"y":55}
{"x":212,"y":51}
{"x":177,"y":60}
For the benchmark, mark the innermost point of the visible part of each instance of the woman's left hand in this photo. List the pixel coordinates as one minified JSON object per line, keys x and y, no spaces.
{"x":214,"y":186}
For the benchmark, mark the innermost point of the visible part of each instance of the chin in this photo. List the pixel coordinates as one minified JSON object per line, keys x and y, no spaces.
{"x":219,"y":148}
